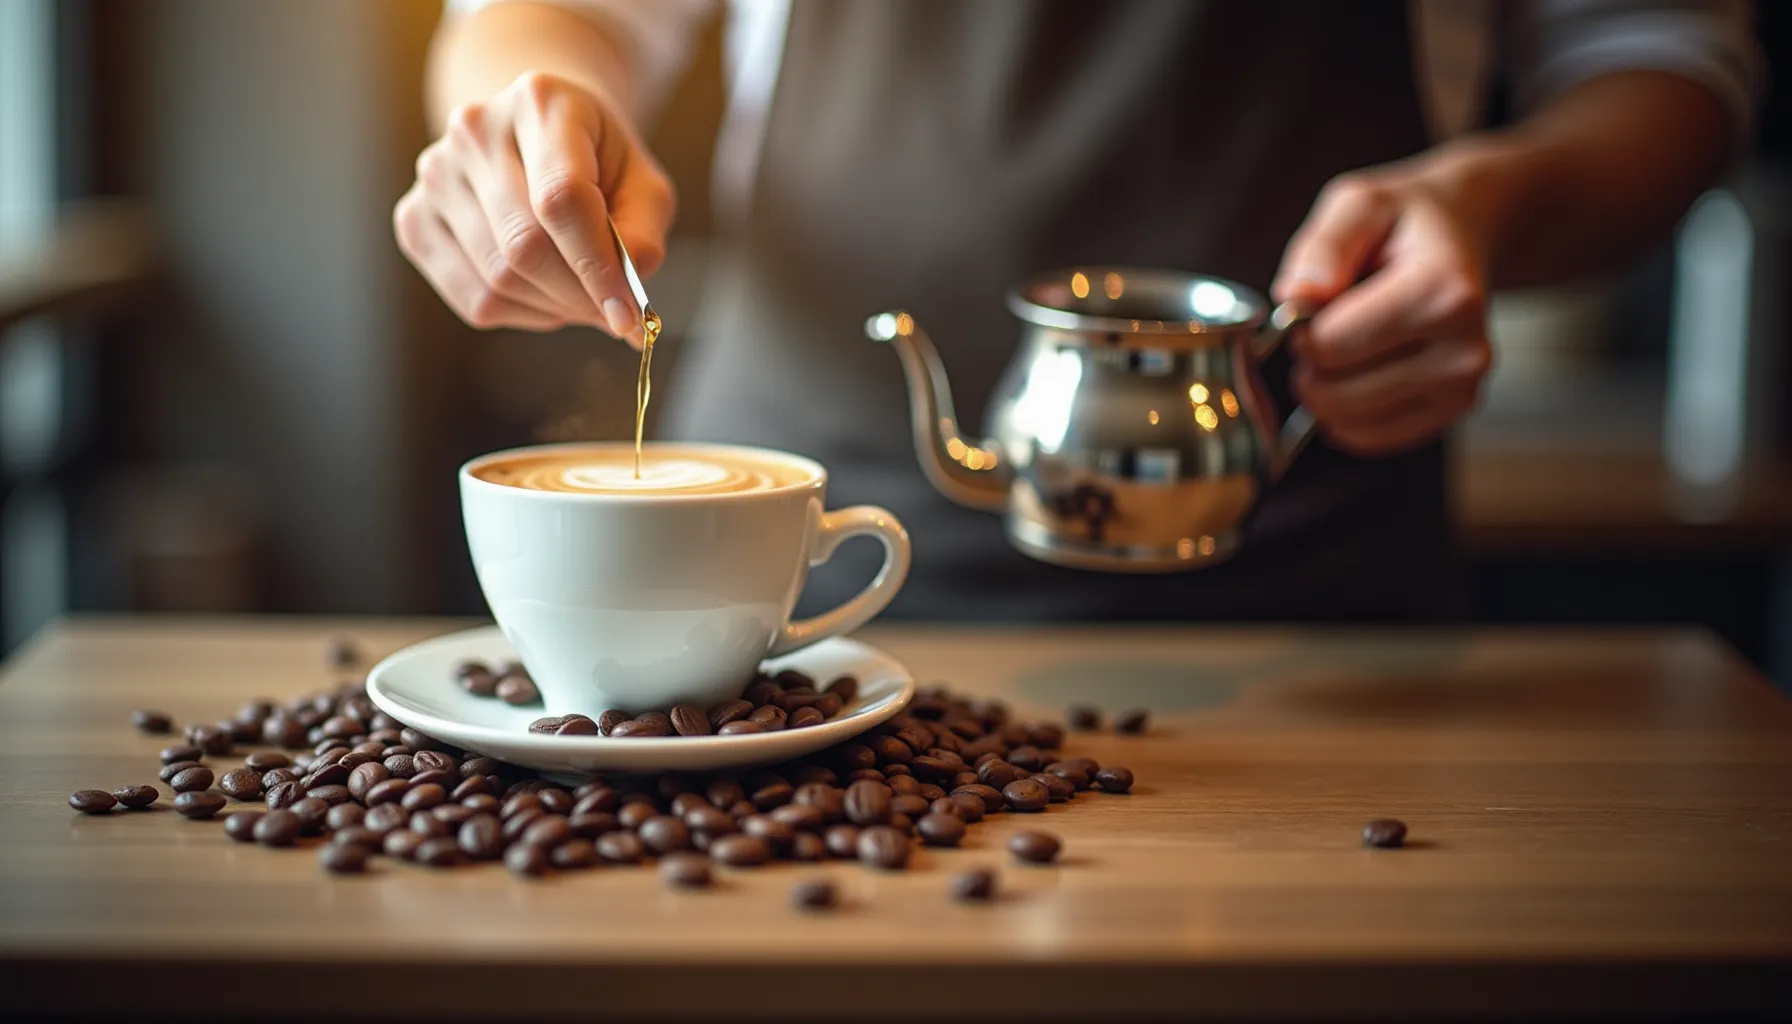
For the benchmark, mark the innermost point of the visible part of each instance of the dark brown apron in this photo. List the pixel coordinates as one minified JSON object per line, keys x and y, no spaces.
{"x":927,"y":154}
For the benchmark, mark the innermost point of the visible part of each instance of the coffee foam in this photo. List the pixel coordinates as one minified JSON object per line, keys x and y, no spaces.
{"x":600,"y":473}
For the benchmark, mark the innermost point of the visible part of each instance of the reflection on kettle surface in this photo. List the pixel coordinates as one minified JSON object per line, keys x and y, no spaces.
{"x":1106,"y":449}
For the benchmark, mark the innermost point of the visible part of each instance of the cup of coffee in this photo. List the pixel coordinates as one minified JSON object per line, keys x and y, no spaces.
{"x":641,"y":593}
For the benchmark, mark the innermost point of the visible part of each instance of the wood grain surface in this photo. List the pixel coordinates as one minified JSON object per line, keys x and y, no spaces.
{"x":1601,"y":822}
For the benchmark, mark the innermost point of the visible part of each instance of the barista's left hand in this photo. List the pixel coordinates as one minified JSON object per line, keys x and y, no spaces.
{"x":1398,"y":352}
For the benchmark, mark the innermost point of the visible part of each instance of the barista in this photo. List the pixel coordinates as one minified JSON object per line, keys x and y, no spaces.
{"x":929,"y":154}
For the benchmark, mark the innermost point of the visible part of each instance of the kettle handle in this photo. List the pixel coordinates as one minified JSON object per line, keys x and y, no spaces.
{"x":1300,"y":427}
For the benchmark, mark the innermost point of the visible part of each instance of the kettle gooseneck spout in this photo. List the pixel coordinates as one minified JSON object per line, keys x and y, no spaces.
{"x":972,"y":475}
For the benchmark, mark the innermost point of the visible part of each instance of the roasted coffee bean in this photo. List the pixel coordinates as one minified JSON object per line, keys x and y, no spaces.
{"x":515,"y":825}
{"x":689,"y":720}
{"x":770,"y":717}
{"x":358,"y":835}
{"x":451,"y":815}
{"x":902,"y":823}
{"x":401,"y":844}
{"x":476,"y":678}
{"x":418,"y":741}
{"x":884,"y":847}
{"x":776,"y":794}
{"x":212,"y":739}
{"x":829,"y":704}
{"x":152,"y":721}
{"x":135,"y":798}
{"x":1029,"y":758}
{"x":519,"y":803}
{"x":609,"y":720}
{"x":966,"y":778}
{"x":808,"y":846}
{"x":712,"y":820}
{"x":341,"y":816}
{"x":197,"y":803}
{"x":912,"y":804}
{"x":556,"y":801}
{"x":971,"y":806}
{"x":440,"y":852}
{"x":656,"y":718}
{"x":329,"y":774}
{"x":889,"y":750}
{"x":763,"y":692}
{"x":827,"y":800}
{"x":891,"y":771}
{"x":636,"y":728}
{"x":577,"y":725}
{"x":358,"y":757}
{"x":418,"y":798}
{"x":181,"y":752}
{"x":385,"y":817}
{"x":401,"y":766}
{"x":664,"y":834}
{"x":548,"y":830}
{"x":940,"y":829}
{"x":803,"y":718}
{"x":242,"y":784}
{"x":517,"y":690}
{"x":526,"y":861}
{"x":604,"y":799}
{"x":946,"y":805}
{"x":1384,"y":833}
{"x":743,"y":727}
{"x":594,"y":824}
{"x":282,"y":795}
{"x":546,"y":726}
{"x":364,"y":777}
{"x":389,"y":791}
{"x":842,"y":840}
{"x":481,"y":837}
{"x":278,"y":828}
{"x":337,"y":727}
{"x":813,"y":894}
{"x":343,"y":858}
{"x":1132,"y":722}
{"x":1035,"y":847}
{"x":1026,"y":795}
{"x":1114,"y":779}
{"x":933,"y":769}
{"x":728,"y":711}
{"x":92,"y":801}
{"x":475,"y":786}
{"x":684,"y":802}
{"x":801,"y":817}
{"x":636,"y":812}
{"x":1083,"y":717}
{"x":621,"y":847}
{"x":434,"y":777}
{"x":275,"y":776}
{"x":480,"y":803}
{"x":428,"y":825}
{"x":240,"y":825}
{"x":312,"y":812}
{"x":266,"y":760}
{"x":475,"y":766}
{"x":685,"y":871}
{"x":192,"y":780}
{"x":173,"y":768}
{"x":1058,"y":789}
{"x":974,"y":885}
{"x":284,"y":731}
{"x":1047,"y":736}
{"x":900,"y":784}
{"x":1070,"y":773}
{"x":776,"y":833}
{"x":342,"y":652}
{"x":847,"y":687}
{"x":867,"y":803}
{"x":432,"y":761}
{"x":739,"y":850}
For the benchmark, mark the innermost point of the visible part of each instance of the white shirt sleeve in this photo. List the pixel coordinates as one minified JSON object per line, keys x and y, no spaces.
{"x":1553,"y":45}
{"x":659,"y":34}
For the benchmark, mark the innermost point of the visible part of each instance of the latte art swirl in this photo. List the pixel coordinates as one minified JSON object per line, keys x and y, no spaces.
{"x":614,"y":473}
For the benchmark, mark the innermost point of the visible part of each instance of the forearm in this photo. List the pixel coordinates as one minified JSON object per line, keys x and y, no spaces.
{"x":472,"y":58}
{"x":1576,"y":188}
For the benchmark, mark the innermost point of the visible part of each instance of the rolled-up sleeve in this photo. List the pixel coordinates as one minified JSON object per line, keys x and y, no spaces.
{"x":659,"y":35}
{"x":1553,"y":45}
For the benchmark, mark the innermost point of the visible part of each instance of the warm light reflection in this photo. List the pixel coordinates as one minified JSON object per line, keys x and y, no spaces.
{"x":1206,"y":545}
{"x":1185,"y":548}
{"x":1042,"y":411}
{"x":955,"y":448}
{"x":1197,"y":393}
{"x":1213,"y":301}
{"x":1229,"y":401}
{"x":1079,"y":285}
{"x":905,"y":324}
{"x":1114,"y":285}
{"x":1205,"y":416}
{"x":1152,"y":416}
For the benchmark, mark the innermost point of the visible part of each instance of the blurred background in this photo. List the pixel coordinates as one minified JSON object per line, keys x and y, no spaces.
{"x":223,"y":390}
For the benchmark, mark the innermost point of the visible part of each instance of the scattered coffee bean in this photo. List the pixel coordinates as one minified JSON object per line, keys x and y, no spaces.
{"x":842,"y":840}
{"x":970,"y":806}
{"x":847,"y":687}
{"x":1028,"y":758}
{"x":664,"y":834}
{"x":807,"y":846}
{"x":689,"y":720}
{"x":974,"y":885}
{"x":1114,"y":779}
{"x":774,"y":794}
{"x":197,"y":803}
{"x":814,"y":894}
{"x":1132,"y":723}
{"x":192,"y":780}
{"x":636,"y":728}
{"x":212,"y":739}
{"x":283,"y":795}
{"x":135,"y":798}
{"x":182,"y":752}
{"x":770,"y":717}
{"x":882,"y":846}
{"x":151,"y":721}
{"x":940,"y":829}
{"x":385,"y":817}
{"x":549,"y":830}
{"x":427,"y":825}
{"x":622,"y":848}
{"x":1026,"y":795}
{"x":92,"y":801}
{"x":266,"y":760}
{"x":241,"y":784}
{"x":419,"y":798}
{"x":517,"y":690}
{"x":867,"y":803}
{"x":240,"y":825}
{"x":401,"y":844}
{"x":902,"y":784}
{"x":728,"y":711}
{"x":478,"y":785}
{"x":902,"y":823}
{"x":1057,"y":789}
{"x":526,"y":861}
{"x":278,"y":828}
{"x":575,"y":855}
{"x":359,"y":835}
{"x":344,"y":815}
{"x":740,"y":850}
{"x":440,"y":852}
{"x":1035,"y":847}
{"x":912,"y":804}
{"x":1070,"y":773}
{"x":389,"y":791}
{"x":742,"y":727}
{"x":547,"y":726}
{"x":685,"y":871}
{"x":998,"y":774}
{"x":1083,"y":718}
{"x":803,"y":718}
{"x":610,"y":719}
{"x":400,"y":766}
{"x":343,"y":858}
{"x":556,"y":801}
{"x":173,"y":768}
{"x":312,"y":812}
{"x":990,"y":796}
{"x":1384,"y":833}
{"x":342,"y":652}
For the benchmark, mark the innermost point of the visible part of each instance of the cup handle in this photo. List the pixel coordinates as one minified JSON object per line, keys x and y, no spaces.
{"x":1300,"y":427}
{"x":859,"y":520}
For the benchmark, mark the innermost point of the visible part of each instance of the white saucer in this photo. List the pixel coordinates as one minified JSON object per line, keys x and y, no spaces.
{"x":417,"y":687}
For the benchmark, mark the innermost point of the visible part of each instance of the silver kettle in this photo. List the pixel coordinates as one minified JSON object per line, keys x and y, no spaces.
{"x":1131,"y":432}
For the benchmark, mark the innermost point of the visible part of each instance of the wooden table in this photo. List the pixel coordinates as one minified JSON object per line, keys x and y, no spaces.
{"x":1601,"y":821}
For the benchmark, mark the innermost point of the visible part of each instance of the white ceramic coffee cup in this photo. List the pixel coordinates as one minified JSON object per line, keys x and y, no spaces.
{"x":640,"y":601}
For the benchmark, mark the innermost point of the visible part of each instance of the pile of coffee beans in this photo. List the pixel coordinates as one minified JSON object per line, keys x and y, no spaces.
{"x":330,"y":770}
{"x":789,"y":700}
{"x":509,"y":682}
{"x":1087,"y":718}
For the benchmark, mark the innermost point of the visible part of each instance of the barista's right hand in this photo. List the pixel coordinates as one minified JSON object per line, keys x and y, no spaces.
{"x":506,"y":218}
